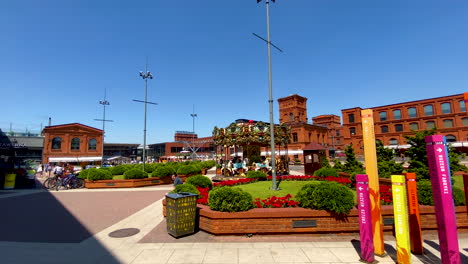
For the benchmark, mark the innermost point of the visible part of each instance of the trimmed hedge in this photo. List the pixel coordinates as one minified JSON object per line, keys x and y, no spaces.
{"x":200,"y":181}
{"x":329,"y":196}
{"x":325,"y":172}
{"x":163,"y":171}
{"x":256,"y":174}
{"x":425,"y":196}
{"x":188,"y":170}
{"x":120,"y":169}
{"x":135,"y":174}
{"x":186,"y":187}
{"x":229,"y":199}
{"x":99,"y":174}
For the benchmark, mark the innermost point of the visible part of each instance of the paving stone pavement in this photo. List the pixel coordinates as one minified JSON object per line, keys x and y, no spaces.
{"x":101,"y":248}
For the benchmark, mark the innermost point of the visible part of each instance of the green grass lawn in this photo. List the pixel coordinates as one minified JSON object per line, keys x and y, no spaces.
{"x":262,"y":190}
{"x":458,"y":181}
{"x":118,"y":177}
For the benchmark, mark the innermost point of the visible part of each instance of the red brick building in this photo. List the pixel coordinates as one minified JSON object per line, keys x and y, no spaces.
{"x":72,"y":143}
{"x":392,"y":122}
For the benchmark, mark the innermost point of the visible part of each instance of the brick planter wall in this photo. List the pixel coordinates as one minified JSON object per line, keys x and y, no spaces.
{"x":291,"y":220}
{"x":131,"y":183}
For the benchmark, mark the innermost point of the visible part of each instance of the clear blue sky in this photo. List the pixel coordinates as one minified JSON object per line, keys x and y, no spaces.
{"x":58,"y":56}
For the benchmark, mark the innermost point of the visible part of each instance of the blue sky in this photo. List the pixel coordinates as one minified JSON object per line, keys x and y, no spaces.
{"x":57,"y":57}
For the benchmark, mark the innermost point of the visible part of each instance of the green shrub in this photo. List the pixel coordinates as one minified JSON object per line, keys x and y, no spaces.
{"x":352,"y":176}
{"x":83,"y":174}
{"x":229,"y":199}
{"x":304,"y":193}
{"x":99,"y":174}
{"x":188,"y":170}
{"x":150,"y":167}
{"x":200,"y":181}
{"x":425,"y":192}
{"x":163,"y":171}
{"x":135,"y":174}
{"x":426,"y":197}
{"x":325,"y":172}
{"x":329,"y":196}
{"x":207,"y":164}
{"x":256,"y":174}
{"x":186,"y":187}
{"x":458,"y":196}
{"x":119,"y":169}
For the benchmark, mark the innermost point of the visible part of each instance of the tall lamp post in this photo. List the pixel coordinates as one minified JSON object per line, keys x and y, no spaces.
{"x":270,"y":98}
{"x":104,"y":120}
{"x":193,"y":115}
{"x":145,"y":75}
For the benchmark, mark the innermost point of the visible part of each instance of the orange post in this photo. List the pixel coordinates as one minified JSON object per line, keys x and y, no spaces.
{"x":465,"y":188}
{"x":414,"y":218}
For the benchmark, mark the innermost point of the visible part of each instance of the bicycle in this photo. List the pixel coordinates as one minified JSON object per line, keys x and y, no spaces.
{"x":49,"y":183}
{"x":70,"y":181}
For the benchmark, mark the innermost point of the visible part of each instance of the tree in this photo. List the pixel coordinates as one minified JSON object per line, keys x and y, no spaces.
{"x":418,"y":155}
{"x":385,"y":161}
{"x":351,"y":164}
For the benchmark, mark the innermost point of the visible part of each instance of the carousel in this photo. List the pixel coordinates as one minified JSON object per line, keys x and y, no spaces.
{"x":250,"y":141}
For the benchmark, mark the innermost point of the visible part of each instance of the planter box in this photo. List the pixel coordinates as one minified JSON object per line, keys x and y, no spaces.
{"x":300,"y":220}
{"x":132,"y":183}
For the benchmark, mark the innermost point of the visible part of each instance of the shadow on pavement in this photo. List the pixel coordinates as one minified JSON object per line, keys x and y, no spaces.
{"x":434,"y":245}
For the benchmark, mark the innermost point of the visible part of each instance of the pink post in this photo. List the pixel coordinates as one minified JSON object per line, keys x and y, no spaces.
{"x":443,"y":202}
{"x":365,"y":219}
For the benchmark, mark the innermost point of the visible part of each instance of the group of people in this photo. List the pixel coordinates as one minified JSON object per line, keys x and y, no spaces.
{"x":54,"y":169}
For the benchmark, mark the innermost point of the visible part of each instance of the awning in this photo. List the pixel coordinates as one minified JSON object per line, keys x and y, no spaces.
{"x":74,"y":159}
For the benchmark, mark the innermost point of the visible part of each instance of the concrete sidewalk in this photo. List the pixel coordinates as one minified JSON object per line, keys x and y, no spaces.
{"x":132,"y":246}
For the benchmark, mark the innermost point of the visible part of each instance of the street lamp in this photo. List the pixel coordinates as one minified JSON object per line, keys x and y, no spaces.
{"x":104,"y":120}
{"x":145,"y":75}
{"x":193,"y":115}
{"x":270,"y":100}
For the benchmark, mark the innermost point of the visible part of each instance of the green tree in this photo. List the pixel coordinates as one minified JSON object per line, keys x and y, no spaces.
{"x":386,"y":163}
{"x":418,"y":155}
{"x":351,"y":164}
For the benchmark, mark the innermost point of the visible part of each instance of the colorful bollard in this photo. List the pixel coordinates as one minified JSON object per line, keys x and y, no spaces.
{"x":465,"y":189}
{"x":365,"y":220}
{"x":400,"y":212}
{"x":370,"y":156}
{"x":414,"y":217}
{"x":443,"y":202}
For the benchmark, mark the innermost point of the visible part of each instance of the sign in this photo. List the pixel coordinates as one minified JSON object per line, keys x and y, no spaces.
{"x":370,"y":156}
{"x":413,"y":212}
{"x":365,"y":219}
{"x":400,"y":212}
{"x":443,"y":202}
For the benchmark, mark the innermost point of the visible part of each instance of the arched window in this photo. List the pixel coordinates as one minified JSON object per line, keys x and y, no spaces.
{"x":446,"y":108}
{"x":428,"y":110}
{"x":412,"y":112}
{"x":451,"y":138}
{"x":430,"y":124}
{"x":397,"y":114}
{"x":448,"y":123}
{"x":75,"y":143}
{"x":92,"y":144}
{"x":384,"y":129}
{"x":414,"y":126}
{"x":393,"y":141}
{"x":398,"y":127}
{"x":56,"y":143}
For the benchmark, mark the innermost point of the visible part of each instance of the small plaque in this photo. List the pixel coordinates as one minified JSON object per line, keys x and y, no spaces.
{"x":154,"y":181}
{"x":388,"y":221}
{"x":304,"y":223}
{"x":110,"y":184}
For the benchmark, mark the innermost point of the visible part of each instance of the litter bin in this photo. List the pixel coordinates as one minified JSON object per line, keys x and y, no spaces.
{"x":181,"y":209}
{"x":10,"y":181}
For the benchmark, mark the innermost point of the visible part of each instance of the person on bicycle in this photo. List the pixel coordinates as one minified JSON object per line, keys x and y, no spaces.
{"x":58,"y":170}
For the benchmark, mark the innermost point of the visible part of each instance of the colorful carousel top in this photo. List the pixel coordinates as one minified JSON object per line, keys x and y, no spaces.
{"x":249,"y":132}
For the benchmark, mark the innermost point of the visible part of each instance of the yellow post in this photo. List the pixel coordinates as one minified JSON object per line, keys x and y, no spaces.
{"x":370,"y":156}
{"x":400,"y":211}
